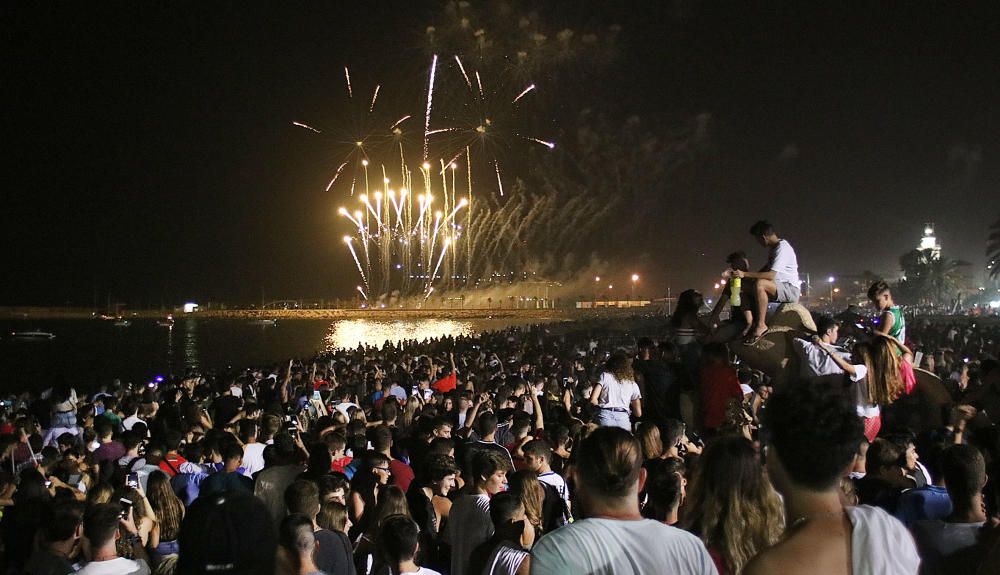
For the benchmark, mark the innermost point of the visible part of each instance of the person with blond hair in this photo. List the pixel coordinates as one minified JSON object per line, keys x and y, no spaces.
{"x":732,"y":505}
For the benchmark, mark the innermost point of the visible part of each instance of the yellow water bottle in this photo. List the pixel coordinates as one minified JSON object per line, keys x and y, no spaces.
{"x":734,"y":291}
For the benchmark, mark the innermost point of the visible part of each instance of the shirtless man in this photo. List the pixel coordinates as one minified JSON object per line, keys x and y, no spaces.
{"x":815,"y":434}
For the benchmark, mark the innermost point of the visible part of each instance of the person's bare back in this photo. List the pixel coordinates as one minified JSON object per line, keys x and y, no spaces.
{"x":817,"y":545}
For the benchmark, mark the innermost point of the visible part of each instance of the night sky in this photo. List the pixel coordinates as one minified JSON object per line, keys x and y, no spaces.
{"x":149,"y":151}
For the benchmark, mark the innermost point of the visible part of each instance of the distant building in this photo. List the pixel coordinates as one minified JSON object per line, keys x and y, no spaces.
{"x":929,"y":242}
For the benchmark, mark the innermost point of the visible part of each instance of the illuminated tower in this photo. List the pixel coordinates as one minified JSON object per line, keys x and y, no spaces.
{"x":929,"y":242}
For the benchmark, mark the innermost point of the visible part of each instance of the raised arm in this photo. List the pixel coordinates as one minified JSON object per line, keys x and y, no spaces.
{"x":848,"y":368}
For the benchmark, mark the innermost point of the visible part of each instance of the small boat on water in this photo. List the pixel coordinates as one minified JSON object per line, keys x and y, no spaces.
{"x":122,"y":322}
{"x":168,"y":322}
{"x":271,"y":322}
{"x":33,"y":335}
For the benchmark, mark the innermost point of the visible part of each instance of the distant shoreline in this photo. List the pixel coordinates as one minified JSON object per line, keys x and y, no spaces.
{"x":49,"y":313}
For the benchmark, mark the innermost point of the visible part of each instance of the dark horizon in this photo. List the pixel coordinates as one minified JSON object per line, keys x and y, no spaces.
{"x":151,"y":154}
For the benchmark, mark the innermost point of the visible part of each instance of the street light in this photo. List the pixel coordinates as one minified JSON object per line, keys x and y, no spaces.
{"x":635,"y":278}
{"x":596,"y":280}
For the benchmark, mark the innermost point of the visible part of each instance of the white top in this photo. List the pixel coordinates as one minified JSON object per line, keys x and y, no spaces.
{"x":880,"y":544}
{"x":617,"y":394}
{"x":815,"y":360}
{"x":119,"y":566}
{"x":130,"y":422}
{"x":860,"y":379}
{"x":555,"y":480}
{"x":784,"y":264}
{"x":504,"y":561}
{"x":620,"y":548}
{"x":421,"y":571}
{"x":469,"y":525}
{"x":253,"y":458}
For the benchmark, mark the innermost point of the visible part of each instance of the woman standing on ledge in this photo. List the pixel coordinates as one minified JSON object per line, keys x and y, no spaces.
{"x":617,"y":395}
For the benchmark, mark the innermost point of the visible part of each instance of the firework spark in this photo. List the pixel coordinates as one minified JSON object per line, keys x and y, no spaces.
{"x":306,"y":126}
{"x":523,"y":93}
{"x":464,"y":75}
{"x":371,"y":108}
{"x":347,"y":75}
{"x":430,"y":102}
{"x":335,"y":176}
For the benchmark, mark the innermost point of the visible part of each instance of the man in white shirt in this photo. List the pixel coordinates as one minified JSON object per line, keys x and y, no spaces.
{"x":814,"y":438}
{"x":537,"y":457}
{"x":253,"y":452}
{"x":777,"y":281}
{"x":100,"y":535}
{"x":615,"y":538}
{"x":815,"y":361}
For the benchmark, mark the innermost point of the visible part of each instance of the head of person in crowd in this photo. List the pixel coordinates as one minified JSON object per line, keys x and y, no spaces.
{"x":964,"y":470}
{"x":649,"y":437}
{"x":302,"y":497}
{"x":62,"y":526}
{"x":880,"y":295}
{"x":227,"y":533}
{"x":297,"y":542}
{"x":827,"y":328}
{"x":510,"y":523}
{"x":689,"y":303}
{"x":439,"y":474}
{"x":333,"y":517}
{"x":619,"y":364}
{"x":883,"y":461}
{"x":738,"y":261}
{"x":732,"y":504}
{"x":100,"y":531}
{"x":609,"y":473}
{"x":647,"y":348}
{"x":665,"y":489}
{"x":398,"y":543}
{"x":764,"y":233}
{"x":529,"y":490}
{"x":489,"y":471}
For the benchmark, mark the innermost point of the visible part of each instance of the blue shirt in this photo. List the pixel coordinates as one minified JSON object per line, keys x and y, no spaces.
{"x":928,"y":502}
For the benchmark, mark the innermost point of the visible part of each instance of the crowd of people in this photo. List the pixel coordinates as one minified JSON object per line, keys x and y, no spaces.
{"x":526,"y":451}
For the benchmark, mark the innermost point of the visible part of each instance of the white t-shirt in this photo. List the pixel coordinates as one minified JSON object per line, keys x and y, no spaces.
{"x":784,"y":264}
{"x":860,"y":380}
{"x":815,"y":361}
{"x":469,"y":525}
{"x":130,"y":421}
{"x":504,"y":561}
{"x":421,"y":571}
{"x":880,"y":544}
{"x":617,"y":394}
{"x":119,"y":566}
{"x":619,"y":547}
{"x":253,"y":458}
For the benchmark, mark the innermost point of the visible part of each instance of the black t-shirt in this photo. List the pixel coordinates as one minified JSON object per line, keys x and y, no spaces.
{"x":660,"y":397}
{"x":334,"y":553}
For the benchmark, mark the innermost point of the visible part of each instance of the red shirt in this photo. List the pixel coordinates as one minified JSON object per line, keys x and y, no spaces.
{"x":171,"y":464}
{"x":718,"y":384}
{"x":338,"y":465}
{"x":402,"y":474}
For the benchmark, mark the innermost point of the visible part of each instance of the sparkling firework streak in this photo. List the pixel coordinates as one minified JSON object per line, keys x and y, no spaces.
{"x":306,"y":126}
{"x":523,"y":93}
{"x":549,"y":145}
{"x":398,"y":122}
{"x":362,"y":292}
{"x":347,"y":75}
{"x":354,"y":254}
{"x":375,"y":97}
{"x":335,"y":176}
{"x":430,"y":101}
{"x":464,"y":75}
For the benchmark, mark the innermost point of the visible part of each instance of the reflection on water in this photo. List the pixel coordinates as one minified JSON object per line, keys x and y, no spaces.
{"x":349,"y":333}
{"x":190,"y":344}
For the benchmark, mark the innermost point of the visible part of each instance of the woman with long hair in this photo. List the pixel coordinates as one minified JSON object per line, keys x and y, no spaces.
{"x":875,"y":375}
{"x":169,"y":511}
{"x":649,"y":438}
{"x":732,"y":506}
{"x":617,"y":395}
{"x":392,"y":501}
{"x":529,"y":490}
{"x":410,"y":411}
{"x":685,"y":324}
